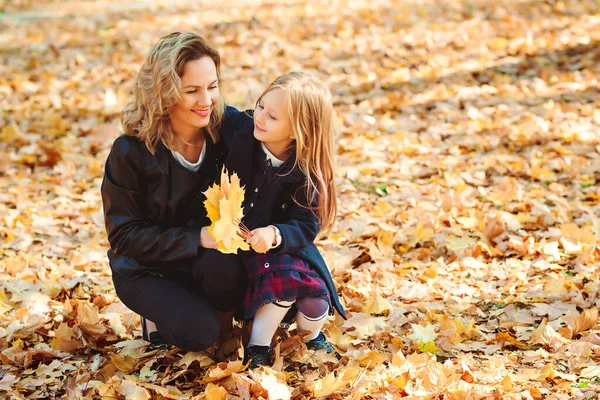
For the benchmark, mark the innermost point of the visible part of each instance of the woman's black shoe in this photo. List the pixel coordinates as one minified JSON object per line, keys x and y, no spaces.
{"x":154,"y":338}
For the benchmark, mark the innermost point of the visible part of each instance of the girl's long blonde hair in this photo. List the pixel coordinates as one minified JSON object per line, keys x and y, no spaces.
{"x":310,"y":110}
{"x":158,"y":88}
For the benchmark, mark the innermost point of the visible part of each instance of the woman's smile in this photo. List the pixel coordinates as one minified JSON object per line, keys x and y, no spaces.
{"x":202,"y":113}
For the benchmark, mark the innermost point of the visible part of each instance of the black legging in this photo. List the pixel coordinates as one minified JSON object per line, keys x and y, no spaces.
{"x":184,"y":305}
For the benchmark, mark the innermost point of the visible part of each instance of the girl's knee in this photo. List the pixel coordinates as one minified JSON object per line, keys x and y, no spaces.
{"x":312,"y":307}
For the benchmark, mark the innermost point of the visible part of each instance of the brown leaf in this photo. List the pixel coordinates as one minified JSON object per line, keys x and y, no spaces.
{"x":124,"y":364}
{"x":248,"y":388}
{"x":544,"y":334}
{"x":132,"y":391}
{"x":591,"y":338}
{"x":494,"y":229}
{"x":16,"y":354}
{"x":65,"y":339}
{"x":504,"y":337}
{"x":7,"y":382}
{"x":88,"y":319}
{"x":190,"y":357}
{"x":578,"y":323}
{"x":41,"y":352}
{"x":223,"y":370}
{"x":291,"y":344}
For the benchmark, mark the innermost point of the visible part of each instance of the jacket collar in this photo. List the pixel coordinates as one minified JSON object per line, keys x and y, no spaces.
{"x":244,"y":148}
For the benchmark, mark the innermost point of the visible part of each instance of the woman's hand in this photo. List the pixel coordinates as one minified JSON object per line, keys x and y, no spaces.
{"x":206,"y":239}
{"x":262,"y":239}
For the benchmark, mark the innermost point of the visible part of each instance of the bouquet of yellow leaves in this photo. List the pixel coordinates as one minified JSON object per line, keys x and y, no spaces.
{"x":224,"y":208}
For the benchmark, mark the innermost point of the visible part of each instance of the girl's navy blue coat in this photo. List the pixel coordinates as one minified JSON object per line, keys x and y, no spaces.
{"x":298,"y":225}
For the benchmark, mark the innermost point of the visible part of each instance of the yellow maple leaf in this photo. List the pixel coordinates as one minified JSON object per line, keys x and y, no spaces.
{"x":223,"y":206}
{"x":428,"y":347}
{"x":454,"y":243}
{"x":578,"y":235}
{"x":212,"y":202}
{"x":330,"y":384}
{"x":5,"y":304}
{"x":372,"y":359}
{"x":378,"y":305}
{"x":423,"y":334}
{"x":468,"y":331}
{"x":423,"y":233}
{"x":214,"y":392}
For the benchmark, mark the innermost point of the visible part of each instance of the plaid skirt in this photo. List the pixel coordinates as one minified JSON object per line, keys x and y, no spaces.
{"x":279,"y":277}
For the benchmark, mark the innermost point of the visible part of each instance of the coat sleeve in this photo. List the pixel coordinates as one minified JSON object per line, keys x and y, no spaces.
{"x":130,"y":232}
{"x":301,"y":228}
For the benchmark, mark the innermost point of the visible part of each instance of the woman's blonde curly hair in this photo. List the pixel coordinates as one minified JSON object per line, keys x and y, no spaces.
{"x":158,"y":88}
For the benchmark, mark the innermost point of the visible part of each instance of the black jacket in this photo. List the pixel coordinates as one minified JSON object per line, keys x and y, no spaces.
{"x":298,"y":225}
{"x":153,"y":206}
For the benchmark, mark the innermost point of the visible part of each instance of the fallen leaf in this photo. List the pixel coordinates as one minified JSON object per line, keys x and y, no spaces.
{"x":332,"y":383}
{"x":214,"y":392}
{"x":545,"y":335}
{"x":378,"y":305}
{"x":132,"y":391}
{"x":223,"y":370}
{"x":423,"y":334}
{"x":578,"y":323}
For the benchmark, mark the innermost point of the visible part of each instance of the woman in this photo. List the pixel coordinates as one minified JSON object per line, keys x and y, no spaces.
{"x":164,"y":263}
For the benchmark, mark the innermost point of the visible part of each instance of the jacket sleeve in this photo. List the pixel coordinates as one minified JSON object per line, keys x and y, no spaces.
{"x":130,"y":232}
{"x":301,"y":228}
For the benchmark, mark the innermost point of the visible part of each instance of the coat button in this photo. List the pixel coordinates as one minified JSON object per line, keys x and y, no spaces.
{"x":267,"y":265}
{"x":256,"y":190}
{"x":251,"y":204}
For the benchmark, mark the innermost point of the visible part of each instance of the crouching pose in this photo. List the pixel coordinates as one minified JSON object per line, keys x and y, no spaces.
{"x":285,"y":159}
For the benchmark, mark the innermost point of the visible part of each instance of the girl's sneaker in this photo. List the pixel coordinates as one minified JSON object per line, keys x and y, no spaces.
{"x":257,"y":355}
{"x":320,"y":342}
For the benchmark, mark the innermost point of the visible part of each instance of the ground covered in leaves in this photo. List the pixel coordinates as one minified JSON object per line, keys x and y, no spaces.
{"x":466,"y":250}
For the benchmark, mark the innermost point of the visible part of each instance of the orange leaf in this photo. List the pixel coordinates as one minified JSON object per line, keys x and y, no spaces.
{"x":581,"y":322}
{"x":504,"y":337}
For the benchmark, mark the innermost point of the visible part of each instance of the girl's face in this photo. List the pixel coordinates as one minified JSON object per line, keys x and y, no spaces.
{"x":199,"y":93}
{"x":272,"y":124}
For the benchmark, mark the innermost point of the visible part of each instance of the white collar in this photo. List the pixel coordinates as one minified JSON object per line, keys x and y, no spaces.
{"x":274,"y":160}
{"x":193,"y":166}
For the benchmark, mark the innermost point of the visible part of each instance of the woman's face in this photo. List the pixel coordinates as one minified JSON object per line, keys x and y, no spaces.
{"x":199,"y":94}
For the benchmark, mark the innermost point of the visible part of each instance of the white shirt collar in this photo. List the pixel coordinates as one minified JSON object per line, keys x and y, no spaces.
{"x":274,"y":160}
{"x":192,"y":166}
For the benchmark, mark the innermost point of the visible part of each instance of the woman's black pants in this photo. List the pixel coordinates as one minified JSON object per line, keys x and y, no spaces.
{"x":184,"y":303}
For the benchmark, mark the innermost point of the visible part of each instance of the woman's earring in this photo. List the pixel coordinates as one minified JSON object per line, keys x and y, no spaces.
{"x":291,"y":137}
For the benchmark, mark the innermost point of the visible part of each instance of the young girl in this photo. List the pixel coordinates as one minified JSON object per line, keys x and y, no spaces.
{"x":286,"y":164}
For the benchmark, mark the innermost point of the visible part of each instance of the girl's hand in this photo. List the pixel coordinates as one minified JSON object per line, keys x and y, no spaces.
{"x":206,"y":239}
{"x":262,"y":239}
